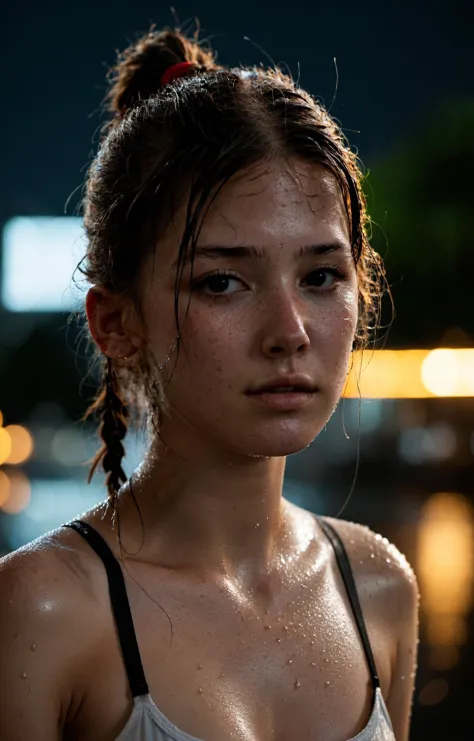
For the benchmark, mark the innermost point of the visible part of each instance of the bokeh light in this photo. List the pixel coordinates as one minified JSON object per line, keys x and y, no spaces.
{"x":434,"y":691}
{"x":19,"y":493}
{"x":4,"y":488}
{"x":21,"y":444}
{"x":449,"y":372}
{"x":445,"y":562}
{"x":68,"y":446}
{"x":5,"y":445}
{"x":411,"y":374}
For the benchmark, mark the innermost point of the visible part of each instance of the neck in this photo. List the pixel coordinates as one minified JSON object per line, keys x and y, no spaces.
{"x":224,"y":515}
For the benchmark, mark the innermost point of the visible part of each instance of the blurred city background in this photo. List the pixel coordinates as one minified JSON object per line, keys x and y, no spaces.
{"x":402,"y":86}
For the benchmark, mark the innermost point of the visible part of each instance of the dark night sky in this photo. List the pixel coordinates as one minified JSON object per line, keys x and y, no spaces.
{"x":396,"y":63}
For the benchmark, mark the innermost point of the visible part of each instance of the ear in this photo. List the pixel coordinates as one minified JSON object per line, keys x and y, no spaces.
{"x":113,"y":323}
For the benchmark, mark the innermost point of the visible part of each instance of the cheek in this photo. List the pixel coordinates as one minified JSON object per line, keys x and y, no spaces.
{"x":337,"y":323}
{"x":213,"y":341}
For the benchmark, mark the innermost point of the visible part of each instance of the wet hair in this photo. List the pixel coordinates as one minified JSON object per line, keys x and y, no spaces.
{"x":187,"y":138}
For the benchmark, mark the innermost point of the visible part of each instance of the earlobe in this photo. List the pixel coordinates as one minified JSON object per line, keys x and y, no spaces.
{"x":107,"y":316}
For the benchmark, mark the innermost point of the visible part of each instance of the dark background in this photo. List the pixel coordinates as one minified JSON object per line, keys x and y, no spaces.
{"x":405,"y":99}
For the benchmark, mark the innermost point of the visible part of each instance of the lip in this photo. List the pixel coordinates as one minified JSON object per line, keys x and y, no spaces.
{"x":284,"y":401}
{"x":302,"y":384}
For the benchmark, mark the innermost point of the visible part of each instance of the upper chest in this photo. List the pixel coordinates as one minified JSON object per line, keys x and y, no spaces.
{"x":219,"y":669}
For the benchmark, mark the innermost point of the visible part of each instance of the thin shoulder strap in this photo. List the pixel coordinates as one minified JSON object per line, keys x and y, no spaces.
{"x":348,"y":578}
{"x":120,"y":607}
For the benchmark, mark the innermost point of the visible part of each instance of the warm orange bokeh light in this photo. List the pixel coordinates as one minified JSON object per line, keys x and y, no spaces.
{"x":21,"y":444}
{"x":5,"y":445}
{"x":19,"y":495}
{"x":411,"y":374}
{"x":4,"y":488}
{"x":444,"y":568}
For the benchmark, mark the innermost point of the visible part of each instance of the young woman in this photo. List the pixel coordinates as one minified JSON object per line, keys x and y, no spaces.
{"x":231,"y":279}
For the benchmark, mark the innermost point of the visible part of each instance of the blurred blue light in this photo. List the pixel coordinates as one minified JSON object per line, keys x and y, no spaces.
{"x":40,"y":255}
{"x":53,"y":502}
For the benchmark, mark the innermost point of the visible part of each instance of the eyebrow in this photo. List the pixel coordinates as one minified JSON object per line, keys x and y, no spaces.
{"x":257,"y":253}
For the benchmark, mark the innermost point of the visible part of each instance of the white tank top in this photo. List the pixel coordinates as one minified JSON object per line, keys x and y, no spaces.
{"x":147,"y":722}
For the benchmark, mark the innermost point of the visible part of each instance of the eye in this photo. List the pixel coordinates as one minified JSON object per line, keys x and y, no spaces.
{"x":325,"y":277}
{"x":216,"y":284}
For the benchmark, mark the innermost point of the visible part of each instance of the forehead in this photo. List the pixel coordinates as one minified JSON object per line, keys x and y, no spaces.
{"x":277,"y":199}
{"x":283,"y":202}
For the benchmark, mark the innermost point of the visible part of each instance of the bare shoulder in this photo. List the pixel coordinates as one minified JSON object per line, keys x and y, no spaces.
{"x":371,"y":553}
{"x":383,"y":575}
{"x":54,"y":565}
{"x":385,"y":579}
{"x":45,"y":632}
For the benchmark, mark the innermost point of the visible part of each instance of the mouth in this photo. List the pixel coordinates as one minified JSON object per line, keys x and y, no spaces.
{"x":284,"y":396}
{"x":299,"y":385}
{"x":283,"y":390}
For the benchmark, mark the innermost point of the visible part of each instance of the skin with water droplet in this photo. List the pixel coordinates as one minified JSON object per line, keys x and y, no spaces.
{"x":297,"y":684}
{"x":23,"y":675}
{"x":33,"y":647}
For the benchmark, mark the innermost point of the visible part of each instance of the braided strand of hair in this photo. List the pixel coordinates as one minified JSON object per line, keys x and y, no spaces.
{"x":112,"y":430}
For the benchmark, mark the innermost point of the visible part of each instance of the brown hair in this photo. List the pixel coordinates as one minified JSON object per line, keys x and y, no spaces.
{"x":196,"y":132}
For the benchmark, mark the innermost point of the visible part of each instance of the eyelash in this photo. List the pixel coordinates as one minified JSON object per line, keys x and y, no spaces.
{"x":200,"y":284}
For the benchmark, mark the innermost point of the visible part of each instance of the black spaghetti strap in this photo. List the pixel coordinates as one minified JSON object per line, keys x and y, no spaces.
{"x":120,"y":607}
{"x":348,"y":578}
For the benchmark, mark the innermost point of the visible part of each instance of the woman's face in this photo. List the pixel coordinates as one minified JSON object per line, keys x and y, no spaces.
{"x":273,"y":295}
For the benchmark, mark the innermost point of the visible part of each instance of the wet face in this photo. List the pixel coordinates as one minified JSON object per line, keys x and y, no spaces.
{"x":273,"y":294}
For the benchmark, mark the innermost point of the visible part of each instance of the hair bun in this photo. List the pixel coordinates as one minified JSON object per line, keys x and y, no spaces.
{"x":139,"y":69}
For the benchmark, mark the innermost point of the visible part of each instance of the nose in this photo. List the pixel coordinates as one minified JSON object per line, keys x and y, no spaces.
{"x":284,"y":333}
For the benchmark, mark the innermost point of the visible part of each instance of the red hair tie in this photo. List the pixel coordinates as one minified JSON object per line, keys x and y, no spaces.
{"x":176,"y":70}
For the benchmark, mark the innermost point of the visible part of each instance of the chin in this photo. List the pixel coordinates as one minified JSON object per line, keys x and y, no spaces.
{"x":280,"y":451}
{"x":279,"y":443}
